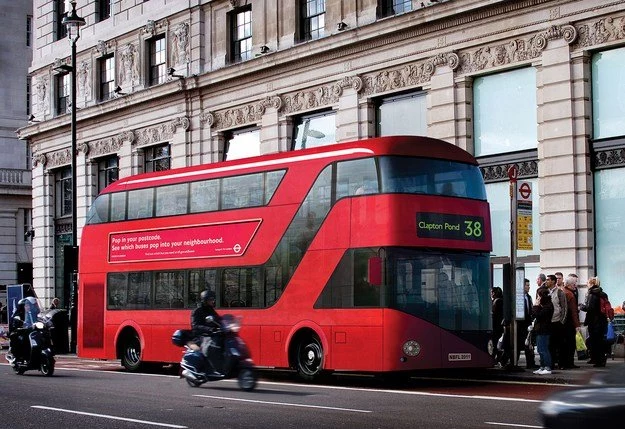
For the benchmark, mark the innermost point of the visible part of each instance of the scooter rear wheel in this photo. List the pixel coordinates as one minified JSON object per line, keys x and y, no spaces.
{"x":247,"y":379}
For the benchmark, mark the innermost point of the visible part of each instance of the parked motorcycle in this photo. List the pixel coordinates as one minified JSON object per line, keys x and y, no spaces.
{"x":228,"y":356}
{"x":31,"y":348}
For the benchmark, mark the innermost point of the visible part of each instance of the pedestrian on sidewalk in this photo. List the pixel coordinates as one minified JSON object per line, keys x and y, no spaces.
{"x":558,"y":299}
{"x":522,"y":328}
{"x":543,"y":312}
{"x":571,"y":325}
{"x":596,"y":322}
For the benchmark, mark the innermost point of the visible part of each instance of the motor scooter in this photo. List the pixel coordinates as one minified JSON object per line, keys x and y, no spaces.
{"x":228,"y":357}
{"x":31,"y":348}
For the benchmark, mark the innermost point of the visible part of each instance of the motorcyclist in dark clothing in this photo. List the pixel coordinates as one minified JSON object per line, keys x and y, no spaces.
{"x":207,"y":308}
{"x":203,"y":330}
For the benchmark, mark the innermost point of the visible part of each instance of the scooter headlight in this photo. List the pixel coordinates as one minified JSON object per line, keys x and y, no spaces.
{"x":39,"y":325}
{"x":234,"y":325}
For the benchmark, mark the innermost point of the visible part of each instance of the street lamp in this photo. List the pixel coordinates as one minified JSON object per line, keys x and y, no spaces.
{"x":73,"y":23}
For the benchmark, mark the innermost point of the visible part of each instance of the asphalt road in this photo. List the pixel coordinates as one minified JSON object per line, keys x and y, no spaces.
{"x":78,"y":396}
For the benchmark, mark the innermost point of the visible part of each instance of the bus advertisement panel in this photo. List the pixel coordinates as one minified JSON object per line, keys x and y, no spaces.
{"x":370,"y":256}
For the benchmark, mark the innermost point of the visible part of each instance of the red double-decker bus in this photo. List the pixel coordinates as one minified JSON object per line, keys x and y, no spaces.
{"x":370,"y":256}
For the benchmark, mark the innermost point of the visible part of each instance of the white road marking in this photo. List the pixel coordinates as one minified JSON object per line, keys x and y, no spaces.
{"x":515,"y":425}
{"x":106,"y":416}
{"x":284,"y":404}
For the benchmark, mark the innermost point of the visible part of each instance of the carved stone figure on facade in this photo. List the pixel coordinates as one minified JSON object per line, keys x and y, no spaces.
{"x":180,"y":44}
{"x":41,"y":95}
{"x":129,"y":69}
{"x":84,"y":81}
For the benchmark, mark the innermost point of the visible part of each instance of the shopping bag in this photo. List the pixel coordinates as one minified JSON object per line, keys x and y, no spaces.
{"x":610,"y":335}
{"x":528,"y":339}
{"x":500,"y":343}
{"x":580,"y":344}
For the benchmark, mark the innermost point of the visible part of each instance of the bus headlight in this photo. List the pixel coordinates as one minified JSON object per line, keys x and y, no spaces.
{"x":411,"y":348}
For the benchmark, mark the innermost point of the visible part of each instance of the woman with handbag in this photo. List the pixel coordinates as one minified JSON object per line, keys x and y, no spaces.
{"x":501,"y":330}
{"x":596,"y":322}
{"x":542,"y":312}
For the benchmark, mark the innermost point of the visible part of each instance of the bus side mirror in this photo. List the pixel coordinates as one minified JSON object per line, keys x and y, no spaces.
{"x":374,"y":271}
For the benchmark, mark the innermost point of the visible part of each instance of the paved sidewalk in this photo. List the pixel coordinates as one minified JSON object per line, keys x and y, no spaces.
{"x":581,"y":375}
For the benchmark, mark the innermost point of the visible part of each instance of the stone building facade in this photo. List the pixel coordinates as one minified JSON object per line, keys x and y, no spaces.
{"x":192,"y":78}
{"x":15,"y":174}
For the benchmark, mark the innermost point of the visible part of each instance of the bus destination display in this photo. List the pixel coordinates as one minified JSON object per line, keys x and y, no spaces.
{"x":450,"y":226}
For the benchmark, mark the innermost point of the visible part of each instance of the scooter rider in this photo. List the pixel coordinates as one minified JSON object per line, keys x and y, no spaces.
{"x":24,"y":318}
{"x":203,"y":330}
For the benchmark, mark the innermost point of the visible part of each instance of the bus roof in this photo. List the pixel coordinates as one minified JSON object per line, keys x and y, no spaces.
{"x":415,"y":146}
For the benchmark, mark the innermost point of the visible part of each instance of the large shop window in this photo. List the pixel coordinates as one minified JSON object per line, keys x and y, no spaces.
{"x":242,"y":144}
{"x":608,"y":92}
{"x":403,"y":114}
{"x":505,"y":112}
{"x":609,"y":226}
{"x":498,"y":195}
{"x":315,"y":130}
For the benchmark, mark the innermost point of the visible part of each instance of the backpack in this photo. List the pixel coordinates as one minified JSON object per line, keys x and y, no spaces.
{"x":606,"y":307}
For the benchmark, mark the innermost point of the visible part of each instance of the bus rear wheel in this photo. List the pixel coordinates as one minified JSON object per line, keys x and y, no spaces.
{"x":131,"y":353}
{"x":309,"y":358}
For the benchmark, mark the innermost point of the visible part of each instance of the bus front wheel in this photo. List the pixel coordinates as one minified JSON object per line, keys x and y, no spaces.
{"x":309,"y":358}
{"x":131,"y":353}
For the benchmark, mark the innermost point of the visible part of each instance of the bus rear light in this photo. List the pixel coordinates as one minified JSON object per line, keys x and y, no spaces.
{"x":411,"y":348}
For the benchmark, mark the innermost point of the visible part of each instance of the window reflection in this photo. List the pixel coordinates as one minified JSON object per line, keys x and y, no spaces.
{"x":451,"y":290}
{"x":243,"y":144}
{"x":314,"y":131}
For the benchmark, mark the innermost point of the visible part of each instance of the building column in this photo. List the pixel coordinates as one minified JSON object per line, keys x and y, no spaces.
{"x":43,"y":225}
{"x":83,"y":201}
{"x":441,"y":105}
{"x":347,"y":115}
{"x":463,"y":102}
{"x":564,"y":190}
{"x":178,"y":143}
{"x":270,"y":131}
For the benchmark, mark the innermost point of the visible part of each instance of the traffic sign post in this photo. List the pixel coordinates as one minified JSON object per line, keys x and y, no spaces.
{"x":524,"y":216}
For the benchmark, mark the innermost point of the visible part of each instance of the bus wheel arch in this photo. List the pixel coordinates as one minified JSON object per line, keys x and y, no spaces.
{"x":129,"y":347}
{"x":307,"y":353}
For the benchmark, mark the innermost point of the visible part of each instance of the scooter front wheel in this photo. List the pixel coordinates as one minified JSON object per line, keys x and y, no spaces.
{"x":193,"y":383}
{"x":47,"y":366}
{"x":19,"y":370}
{"x":247,"y":379}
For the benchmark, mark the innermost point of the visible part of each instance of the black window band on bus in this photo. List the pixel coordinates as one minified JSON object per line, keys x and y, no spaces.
{"x":226,"y":193}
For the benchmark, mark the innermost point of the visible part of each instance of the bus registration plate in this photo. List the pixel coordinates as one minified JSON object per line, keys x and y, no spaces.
{"x":452,"y":357}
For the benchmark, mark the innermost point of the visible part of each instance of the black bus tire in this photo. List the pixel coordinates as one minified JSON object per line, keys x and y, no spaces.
{"x":131,"y":353}
{"x":309,"y":357}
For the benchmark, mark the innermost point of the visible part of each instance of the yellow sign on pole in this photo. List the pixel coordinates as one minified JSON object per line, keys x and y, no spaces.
{"x":524,"y":216}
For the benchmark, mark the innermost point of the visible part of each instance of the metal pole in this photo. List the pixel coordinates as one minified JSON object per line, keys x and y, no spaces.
{"x":73,"y":286}
{"x":74,"y":199}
